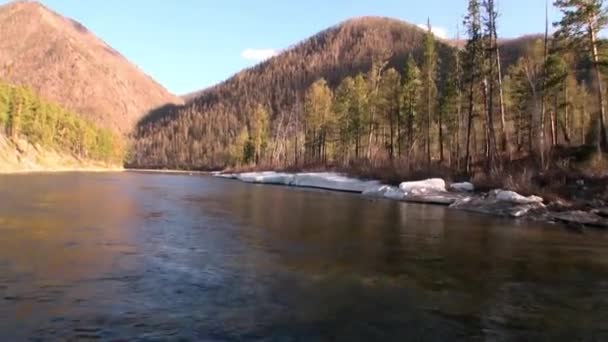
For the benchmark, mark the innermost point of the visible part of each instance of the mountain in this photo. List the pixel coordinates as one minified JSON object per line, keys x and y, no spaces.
{"x":65,"y":63}
{"x":200,"y":133}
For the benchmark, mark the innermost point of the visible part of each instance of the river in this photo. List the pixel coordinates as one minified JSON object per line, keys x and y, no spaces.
{"x":156,"y":257}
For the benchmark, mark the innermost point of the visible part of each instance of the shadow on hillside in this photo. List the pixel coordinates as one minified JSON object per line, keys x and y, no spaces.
{"x":158,"y":113}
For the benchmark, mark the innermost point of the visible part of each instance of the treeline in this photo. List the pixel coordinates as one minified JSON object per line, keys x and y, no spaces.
{"x":25,"y":115}
{"x":464,"y":108}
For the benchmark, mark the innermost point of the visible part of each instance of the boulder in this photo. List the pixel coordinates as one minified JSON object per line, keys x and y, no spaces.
{"x":462,"y":187}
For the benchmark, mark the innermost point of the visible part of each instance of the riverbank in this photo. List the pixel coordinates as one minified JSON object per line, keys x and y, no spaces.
{"x":20,"y":156}
{"x":458,"y":196}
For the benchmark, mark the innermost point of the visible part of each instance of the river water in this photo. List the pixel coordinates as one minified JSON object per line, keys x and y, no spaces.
{"x":156,"y":257}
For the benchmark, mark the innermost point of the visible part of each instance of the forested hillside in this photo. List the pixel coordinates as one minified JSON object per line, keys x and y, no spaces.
{"x":65,"y":63}
{"x":205,"y":133}
{"x":24,"y":115}
{"x":380,"y":92}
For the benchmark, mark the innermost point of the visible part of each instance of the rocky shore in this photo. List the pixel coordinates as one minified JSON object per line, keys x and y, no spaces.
{"x":458,"y":196}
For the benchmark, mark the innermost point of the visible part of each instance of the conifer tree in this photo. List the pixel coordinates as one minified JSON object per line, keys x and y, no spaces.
{"x":429,"y":71}
{"x":411,"y":90}
{"x":581,"y":22}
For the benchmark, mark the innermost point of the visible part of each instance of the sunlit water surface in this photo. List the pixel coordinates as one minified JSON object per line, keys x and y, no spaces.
{"x":175,"y":257}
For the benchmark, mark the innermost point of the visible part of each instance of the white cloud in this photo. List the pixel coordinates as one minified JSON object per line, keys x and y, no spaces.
{"x":439,"y":32}
{"x":258,"y":55}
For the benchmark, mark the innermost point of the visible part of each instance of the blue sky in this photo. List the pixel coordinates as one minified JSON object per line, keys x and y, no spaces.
{"x":187,"y":45}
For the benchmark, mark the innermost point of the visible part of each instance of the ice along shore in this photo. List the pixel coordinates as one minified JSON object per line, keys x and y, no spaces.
{"x":458,"y":196}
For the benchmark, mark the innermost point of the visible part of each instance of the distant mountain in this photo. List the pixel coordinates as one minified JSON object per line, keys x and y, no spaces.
{"x":65,"y":63}
{"x":197,"y":134}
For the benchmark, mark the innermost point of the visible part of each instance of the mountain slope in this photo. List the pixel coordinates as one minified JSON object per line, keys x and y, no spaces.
{"x":200,"y":133}
{"x":65,"y":63}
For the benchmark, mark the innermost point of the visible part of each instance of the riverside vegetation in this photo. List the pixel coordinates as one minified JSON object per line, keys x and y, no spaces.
{"x":25,"y":116}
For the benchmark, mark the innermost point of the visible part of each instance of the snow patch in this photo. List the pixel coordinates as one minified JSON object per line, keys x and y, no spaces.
{"x":424,"y":186}
{"x":515,"y":198}
{"x":385,"y":191}
{"x":269,"y":177}
{"x":462,"y":187}
{"x":332,"y":181}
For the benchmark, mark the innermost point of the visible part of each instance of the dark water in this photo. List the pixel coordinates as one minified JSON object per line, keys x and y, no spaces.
{"x":171,"y":257}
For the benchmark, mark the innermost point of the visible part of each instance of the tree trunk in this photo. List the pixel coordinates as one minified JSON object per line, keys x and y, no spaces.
{"x":554,"y":122}
{"x":428,"y":122}
{"x":440,"y":137}
{"x":566,"y":115}
{"x":602,"y":143}
{"x":469,"y":125}
{"x":504,"y":138}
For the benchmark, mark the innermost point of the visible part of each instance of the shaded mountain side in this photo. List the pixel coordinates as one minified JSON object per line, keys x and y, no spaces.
{"x":65,"y":63}
{"x":197,"y":134}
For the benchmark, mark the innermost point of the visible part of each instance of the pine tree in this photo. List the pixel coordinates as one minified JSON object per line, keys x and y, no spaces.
{"x":491,"y":78}
{"x":429,"y":70}
{"x":581,"y":22}
{"x":343,"y":106}
{"x":411,"y":90}
{"x":389,"y":105}
{"x":449,"y":103}
{"x":473,"y":57}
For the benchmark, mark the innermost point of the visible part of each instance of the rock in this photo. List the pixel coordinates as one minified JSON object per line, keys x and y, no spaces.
{"x":603,"y":212}
{"x":421,"y":187}
{"x":515,"y":198}
{"x":493,"y":206}
{"x":462,"y":187}
{"x":580,"y":217}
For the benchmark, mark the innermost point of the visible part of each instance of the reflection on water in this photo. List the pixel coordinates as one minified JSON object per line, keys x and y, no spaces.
{"x":172,"y":257}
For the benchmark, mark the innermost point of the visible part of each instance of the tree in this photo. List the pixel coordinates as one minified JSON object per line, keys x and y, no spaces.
{"x":581,"y":22}
{"x":491,"y":78}
{"x":319,"y":118}
{"x":449,"y":104}
{"x":374,"y":78}
{"x":411,"y":89}
{"x":473,"y":56}
{"x":359,"y":110}
{"x":388,"y":102}
{"x":343,"y":109}
{"x":557,"y":72}
{"x":258,"y":132}
{"x":429,"y":70}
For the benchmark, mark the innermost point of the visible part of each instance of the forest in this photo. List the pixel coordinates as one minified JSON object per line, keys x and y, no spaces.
{"x":401,"y":100}
{"x":23,"y":114}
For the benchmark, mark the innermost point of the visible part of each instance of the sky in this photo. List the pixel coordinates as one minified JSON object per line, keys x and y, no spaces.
{"x":188,"y":45}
